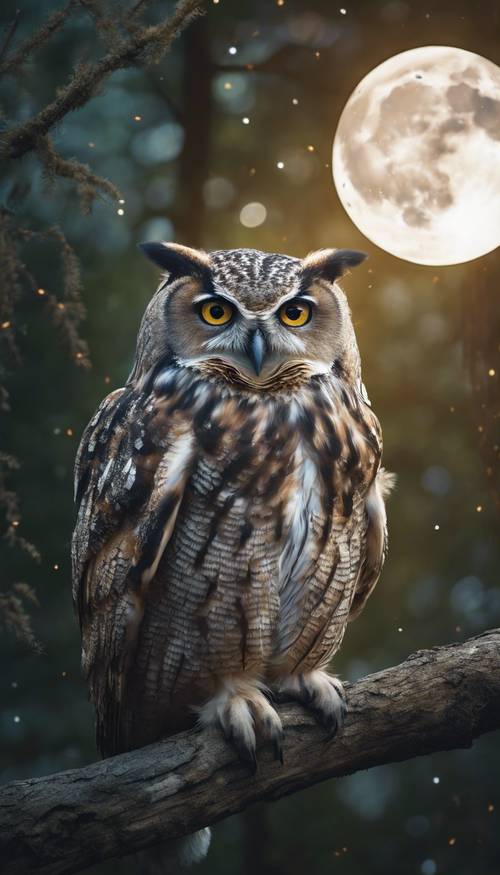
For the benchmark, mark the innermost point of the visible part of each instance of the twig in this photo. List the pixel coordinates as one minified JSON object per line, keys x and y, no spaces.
{"x":135,"y":10}
{"x":67,"y":314}
{"x":51,"y":26}
{"x":163,"y":94}
{"x":89,"y":184}
{"x":9,"y":35}
{"x":107,"y":26}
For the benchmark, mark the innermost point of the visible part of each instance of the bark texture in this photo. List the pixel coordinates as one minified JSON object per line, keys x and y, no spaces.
{"x":436,"y":700}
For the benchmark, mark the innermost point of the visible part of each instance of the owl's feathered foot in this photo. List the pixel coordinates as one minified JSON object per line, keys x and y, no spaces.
{"x":321,"y":693}
{"x":244,"y":713}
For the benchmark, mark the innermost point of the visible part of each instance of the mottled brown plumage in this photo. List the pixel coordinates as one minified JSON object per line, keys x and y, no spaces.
{"x":230,"y":509}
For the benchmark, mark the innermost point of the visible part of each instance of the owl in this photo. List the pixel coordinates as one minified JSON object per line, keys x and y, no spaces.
{"x":231,"y":516}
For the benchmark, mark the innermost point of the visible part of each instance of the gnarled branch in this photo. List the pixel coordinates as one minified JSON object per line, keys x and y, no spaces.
{"x":436,"y":700}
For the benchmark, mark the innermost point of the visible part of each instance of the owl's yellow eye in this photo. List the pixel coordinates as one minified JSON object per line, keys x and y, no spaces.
{"x":216,"y":312}
{"x":295,"y":313}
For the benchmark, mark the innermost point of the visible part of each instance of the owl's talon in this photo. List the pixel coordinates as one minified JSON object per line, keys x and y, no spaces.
{"x":245,"y":752}
{"x":320,"y":693}
{"x":276,"y":734}
{"x":243,"y":711}
{"x":326,"y":719}
{"x":306,"y":695}
{"x":329,"y":723}
{"x":278,"y":750}
{"x":247,"y":755}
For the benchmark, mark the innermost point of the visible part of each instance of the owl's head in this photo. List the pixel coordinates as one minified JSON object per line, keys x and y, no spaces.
{"x":253,"y":318}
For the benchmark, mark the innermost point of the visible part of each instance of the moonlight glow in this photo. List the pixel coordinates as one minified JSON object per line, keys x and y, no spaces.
{"x":416,"y":157}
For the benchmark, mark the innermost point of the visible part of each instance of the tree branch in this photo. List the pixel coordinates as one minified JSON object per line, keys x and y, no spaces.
{"x":53,"y":24}
{"x":146,"y":46}
{"x":436,"y":700}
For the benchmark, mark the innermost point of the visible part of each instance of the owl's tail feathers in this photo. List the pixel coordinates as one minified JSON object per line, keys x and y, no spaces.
{"x":175,"y":856}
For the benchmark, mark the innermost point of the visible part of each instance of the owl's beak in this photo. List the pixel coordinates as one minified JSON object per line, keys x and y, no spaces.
{"x":256,"y":349}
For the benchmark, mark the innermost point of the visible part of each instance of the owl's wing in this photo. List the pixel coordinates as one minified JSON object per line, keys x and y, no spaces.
{"x":375,"y":545}
{"x":131,"y":471}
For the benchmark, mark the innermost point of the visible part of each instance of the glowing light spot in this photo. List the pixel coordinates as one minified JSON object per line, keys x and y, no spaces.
{"x":91,"y":145}
{"x":218,"y":192}
{"x":435,"y":780}
{"x":253,"y":214}
{"x":317,"y":54}
{"x":61,"y":306}
{"x":107,"y":379}
{"x":491,"y":372}
{"x":17,"y":719}
{"x":436,"y":528}
{"x":452,"y":841}
{"x":121,"y":201}
{"x":138,"y":118}
{"x":343,"y":11}
{"x":6,"y":324}
{"x":41,"y":292}
{"x":491,"y":808}
{"x":245,"y":120}
{"x":252,"y":171}
{"x":232,"y":50}
{"x":227,"y":86}
{"x":479,"y":508}
{"x":310,"y":148}
{"x":280,"y":2}
{"x":280,"y":165}
{"x":15,"y":523}
{"x":69,"y":432}
{"x":400,"y":628}
{"x":55,"y":567}
{"x":295,"y":101}
{"x":121,"y":212}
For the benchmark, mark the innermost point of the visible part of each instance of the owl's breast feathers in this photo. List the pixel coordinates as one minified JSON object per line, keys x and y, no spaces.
{"x":219,"y":530}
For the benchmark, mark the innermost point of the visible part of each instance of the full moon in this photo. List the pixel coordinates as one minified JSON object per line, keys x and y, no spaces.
{"x":416,"y":155}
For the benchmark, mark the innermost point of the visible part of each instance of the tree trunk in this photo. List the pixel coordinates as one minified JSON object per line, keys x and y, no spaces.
{"x":197,"y":120}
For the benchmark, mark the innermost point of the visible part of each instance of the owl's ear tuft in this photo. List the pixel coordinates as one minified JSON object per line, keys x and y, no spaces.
{"x":330,"y":264}
{"x":176,"y":260}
